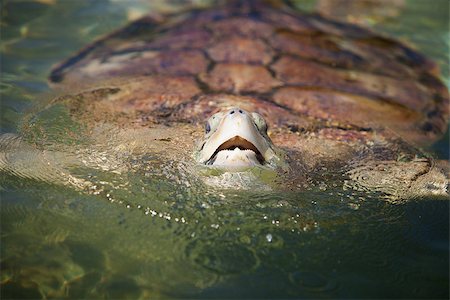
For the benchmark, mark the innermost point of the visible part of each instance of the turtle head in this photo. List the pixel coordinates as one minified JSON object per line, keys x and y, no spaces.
{"x":235,"y":138}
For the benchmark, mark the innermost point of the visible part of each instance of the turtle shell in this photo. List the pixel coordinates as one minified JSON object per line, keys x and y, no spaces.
{"x":299,"y":71}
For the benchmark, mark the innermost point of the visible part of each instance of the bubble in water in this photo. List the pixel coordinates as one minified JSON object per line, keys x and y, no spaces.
{"x":322,"y":186}
{"x":354,"y":206}
{"x":269,"y":237}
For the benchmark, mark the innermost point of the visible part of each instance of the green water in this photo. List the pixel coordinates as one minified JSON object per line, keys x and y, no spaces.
{"x":159,"y":233}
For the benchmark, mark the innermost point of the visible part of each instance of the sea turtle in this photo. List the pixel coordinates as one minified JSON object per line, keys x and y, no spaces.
{"x":289,"y":100}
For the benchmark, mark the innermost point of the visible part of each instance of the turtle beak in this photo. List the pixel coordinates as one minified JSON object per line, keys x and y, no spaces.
{"x":236,"y":141}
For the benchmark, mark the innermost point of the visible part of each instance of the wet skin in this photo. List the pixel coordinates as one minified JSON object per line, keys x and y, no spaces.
{"x":235,"y":138}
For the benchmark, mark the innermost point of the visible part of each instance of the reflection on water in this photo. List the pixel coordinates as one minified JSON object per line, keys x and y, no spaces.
{"x":134,"y":225}
{"x":181,"y":244}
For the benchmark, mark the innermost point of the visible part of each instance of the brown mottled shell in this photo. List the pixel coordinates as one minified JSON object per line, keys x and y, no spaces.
{"x":299,"y":71}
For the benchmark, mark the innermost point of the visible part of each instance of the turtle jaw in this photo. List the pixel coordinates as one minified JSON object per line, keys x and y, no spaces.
{"x":236,"y":142}
{"x":236,"y":152}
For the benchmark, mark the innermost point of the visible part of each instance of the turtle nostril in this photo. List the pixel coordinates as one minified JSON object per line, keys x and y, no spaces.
{"x":241,"y":111}
{"x":231,"y":112}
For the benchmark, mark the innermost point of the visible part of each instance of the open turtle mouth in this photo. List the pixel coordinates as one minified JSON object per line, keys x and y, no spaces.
{"x":234,"y":144}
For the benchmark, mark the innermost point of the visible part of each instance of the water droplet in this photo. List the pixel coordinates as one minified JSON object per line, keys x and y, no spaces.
{"x":354,"y":206}
{"x":269,"y":237}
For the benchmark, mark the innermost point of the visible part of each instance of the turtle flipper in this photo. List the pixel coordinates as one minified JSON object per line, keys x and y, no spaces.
{"x":400,"y":181}
{"x":20,"y":159}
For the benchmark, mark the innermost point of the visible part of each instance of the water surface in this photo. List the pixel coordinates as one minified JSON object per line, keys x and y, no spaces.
{"x":157,"y":231}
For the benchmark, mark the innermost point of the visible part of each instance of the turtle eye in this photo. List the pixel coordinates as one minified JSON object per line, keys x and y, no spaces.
{"x":260,"y":122}
{"x":212,"y":122}
{"x":207,"y":128}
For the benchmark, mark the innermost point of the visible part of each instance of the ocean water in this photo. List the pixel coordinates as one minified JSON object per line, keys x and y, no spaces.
{"x":157,"y":232}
